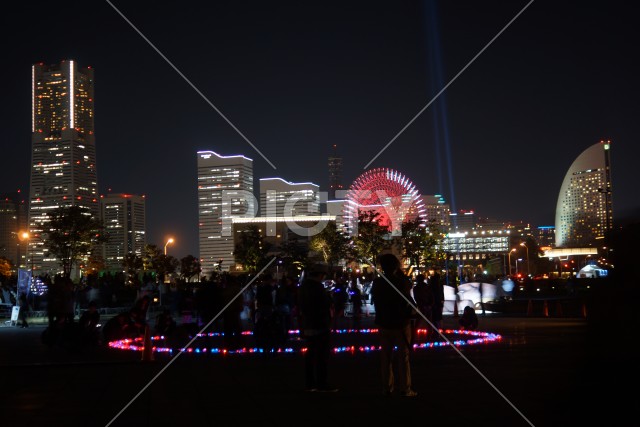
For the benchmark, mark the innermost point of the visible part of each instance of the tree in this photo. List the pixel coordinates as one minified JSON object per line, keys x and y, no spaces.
{"x":5,"y":267}
{"x":419,"y":243}
{"x":331,"y":243}
{"x":72,"y":235}
{"x":371,"y":238}
{"x":153,"y":259}
{"x":251,"y":251}
{"x":189,"y":267}
{"x":133,"y":265}
{"x":292,"y":257}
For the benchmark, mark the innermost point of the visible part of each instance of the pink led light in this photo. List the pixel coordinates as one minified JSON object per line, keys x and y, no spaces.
{"x":475,"y":337}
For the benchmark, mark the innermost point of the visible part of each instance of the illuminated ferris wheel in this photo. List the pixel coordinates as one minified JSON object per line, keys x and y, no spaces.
{"x":385,"y":191}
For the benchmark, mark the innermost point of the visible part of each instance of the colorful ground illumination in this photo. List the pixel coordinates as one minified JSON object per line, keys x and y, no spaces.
{"x":470,"y":338}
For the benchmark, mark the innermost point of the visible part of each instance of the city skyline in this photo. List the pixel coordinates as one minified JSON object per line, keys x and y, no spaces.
{"x":354,"y":79}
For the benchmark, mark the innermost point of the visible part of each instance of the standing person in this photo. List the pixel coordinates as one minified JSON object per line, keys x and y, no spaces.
{"x":425,"y":301}
{"x":265,"y":322}
{"x":356,"y":303}
{"x":232,"y":325}
{"x":24,"y":309}
{"x":285,"y":303}
{"x":393,"y":318}
{"x":340,"y":297}
{"x":435,"y":284}
{"x":315,"y":313}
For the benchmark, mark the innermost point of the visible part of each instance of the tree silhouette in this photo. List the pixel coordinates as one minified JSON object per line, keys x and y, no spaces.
{"x":189,"y":267}
{"x":133,"y":265}
{"x":371,"y":238}
{"x":419,"y":243}
{"x":251,"y":251}
{"x":331,"y":243}
{"x":73,"y":233}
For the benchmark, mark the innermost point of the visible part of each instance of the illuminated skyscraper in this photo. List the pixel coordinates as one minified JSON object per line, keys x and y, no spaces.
{"x":124,"y":220}
{"x":225,"y":190}
{"x":283,"y":198}
{"x":584,"y":213}
{"x":335,"y":174}
{"x":63,"y":159}
{"x":437,"y":211}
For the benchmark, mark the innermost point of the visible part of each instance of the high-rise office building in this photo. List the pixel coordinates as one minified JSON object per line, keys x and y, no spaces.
{"x":63,"y":159}
{"x":462,"y":220}
{"x":437,"y":211}
{"x":584,"y":212}
{"x":335,"y":173}
{"x":225,"y":190}
{"x":283,"y":198}
{"x":13,"y":223}
{"x":124,"y":220}
{"x":545,"y":236}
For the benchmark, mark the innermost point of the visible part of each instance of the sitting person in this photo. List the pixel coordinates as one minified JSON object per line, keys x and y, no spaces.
{"x":469,"y":319}
{"x":88,"y":325}
{"x":165,"y":325}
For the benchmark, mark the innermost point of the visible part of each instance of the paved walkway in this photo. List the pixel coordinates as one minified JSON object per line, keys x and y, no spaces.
{"x":540,"y":373}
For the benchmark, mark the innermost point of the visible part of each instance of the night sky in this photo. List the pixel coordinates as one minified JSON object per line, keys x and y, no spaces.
{"x":298,"y":77}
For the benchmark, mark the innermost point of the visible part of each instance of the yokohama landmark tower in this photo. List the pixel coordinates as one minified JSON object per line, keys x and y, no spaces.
{"x":63,"y":159}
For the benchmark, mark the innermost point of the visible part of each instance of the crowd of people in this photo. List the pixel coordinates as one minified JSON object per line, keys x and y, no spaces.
{"x":316,"y":305}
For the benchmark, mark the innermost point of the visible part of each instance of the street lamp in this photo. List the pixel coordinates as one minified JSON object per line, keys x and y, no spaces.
{"x":511,"y":251}
{"x":528,"y":270}
{"x":24,"y":236}
{"x":161,"y":286}
{"x":517,"y":259}
{"x":170,"y":240}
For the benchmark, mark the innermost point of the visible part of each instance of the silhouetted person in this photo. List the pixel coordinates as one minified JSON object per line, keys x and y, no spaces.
{"x":469,"y":319}
{"x":356,"y":303}
{"x":423,"y":294}
{"x":118,"y":327}
{"x":393,"y":318}
{"x":340,"y":298}
{"x":315,"y":312}
{"x":232,"y":326}
{"x":165,"y":324}
{"x":88,"y":324}
{"x":24,"y":310}
{"x":138,"y":314}
{"x":267,"y":322}
{"x":435,"y":284}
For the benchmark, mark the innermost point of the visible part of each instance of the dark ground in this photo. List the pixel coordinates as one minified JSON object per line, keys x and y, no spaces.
{"x":546,"y":371}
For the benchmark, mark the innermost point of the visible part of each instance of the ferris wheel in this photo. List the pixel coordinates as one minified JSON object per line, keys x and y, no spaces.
{"x":385,"y":191}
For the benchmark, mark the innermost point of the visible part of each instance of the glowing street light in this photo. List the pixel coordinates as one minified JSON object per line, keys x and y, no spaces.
{"x":528,"y":270}
{"x":24,"y":236}
{"x":510,"y":252}
{"x":170,"y":240}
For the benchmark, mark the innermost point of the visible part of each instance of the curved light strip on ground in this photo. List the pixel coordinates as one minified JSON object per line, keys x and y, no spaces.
{"x":474,"y":337}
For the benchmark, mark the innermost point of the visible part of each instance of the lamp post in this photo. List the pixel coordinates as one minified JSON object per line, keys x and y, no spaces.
{"x":24,"y":237}
{"x":517,"y":259}
{"x":170,"y":240}
{"x":511,"y":251}
{"x":528,"y":270}
{"x":164,"y":279}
